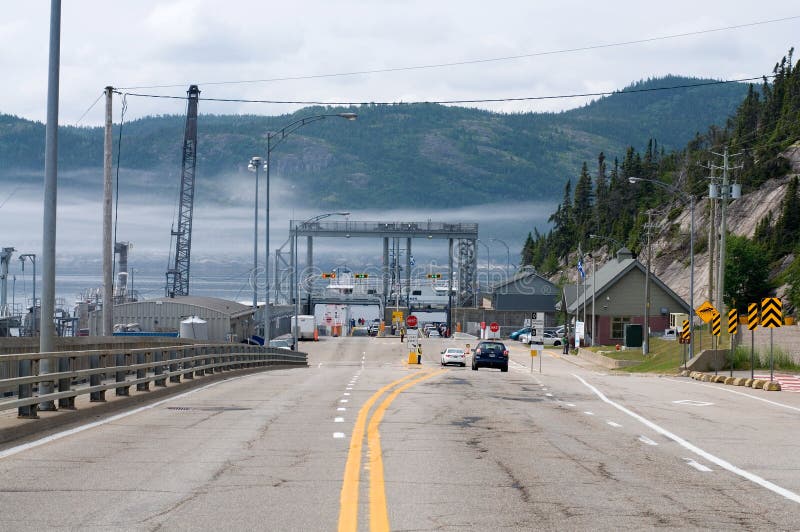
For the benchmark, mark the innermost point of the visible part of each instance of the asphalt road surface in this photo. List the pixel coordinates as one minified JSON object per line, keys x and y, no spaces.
{"x":361,"y":440}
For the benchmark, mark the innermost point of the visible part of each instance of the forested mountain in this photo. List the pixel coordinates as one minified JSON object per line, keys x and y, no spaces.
{"x":396,"y":155}
{"x":600,"y":200}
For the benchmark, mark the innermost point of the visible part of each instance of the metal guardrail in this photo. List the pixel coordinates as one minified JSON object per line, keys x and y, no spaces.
{"x":94,"y":372}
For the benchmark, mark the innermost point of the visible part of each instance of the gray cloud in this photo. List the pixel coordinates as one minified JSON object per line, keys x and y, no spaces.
{"x":193,"y":41}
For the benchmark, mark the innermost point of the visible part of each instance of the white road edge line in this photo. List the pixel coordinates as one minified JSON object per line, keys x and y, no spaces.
{"x":57,"y":436}
{"x":783,"y":492}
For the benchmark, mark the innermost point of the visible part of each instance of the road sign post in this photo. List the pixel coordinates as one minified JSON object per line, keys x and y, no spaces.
{"x":771,"y":317}
{"x":733,"y":329}
{"x":752,"y":323}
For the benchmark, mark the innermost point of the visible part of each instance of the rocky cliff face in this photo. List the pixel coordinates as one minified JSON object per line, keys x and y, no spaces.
{"x":671,"y":249}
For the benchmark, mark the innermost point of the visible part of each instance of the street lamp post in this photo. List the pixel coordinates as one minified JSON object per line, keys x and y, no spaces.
{"x":677,"y":191}
{"x":255,"y":165}
{"x":273,"y":140}
{"x":296,"y":283}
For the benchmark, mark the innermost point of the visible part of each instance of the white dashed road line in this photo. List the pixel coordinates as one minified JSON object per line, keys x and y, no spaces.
{"x":648,"y":441}
{"x":752,"y":477}
{"x":698,"y":466}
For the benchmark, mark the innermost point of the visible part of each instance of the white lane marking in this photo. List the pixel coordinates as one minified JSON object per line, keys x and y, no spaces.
{"x":549,"y":394}
{"x":342,"y":400}
{"x":346,"y":393}
{"x":696,"y":465}
{"x":349,"y":388}
{"x":338,"y":435}
{"x":615,"y":425}
{"x":338,"y":420}
{"x":792,"y":496}
{"x":570,"y":404}
{"x":692,"y":402}
{"x":341,"y":409}
{"x":320,"y":364}
{"x":589,"y":413}
{"x":25,"y":446}
{"x":648,"y":441}
{"x":725,"y":389}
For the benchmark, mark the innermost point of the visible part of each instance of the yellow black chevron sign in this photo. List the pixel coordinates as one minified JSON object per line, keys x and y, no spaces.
{"x":686,"y":333}
{"x":752,"y":316}
{"x":733,"y":321}
{"x":771,"y":312}
{"x":716,"y":324}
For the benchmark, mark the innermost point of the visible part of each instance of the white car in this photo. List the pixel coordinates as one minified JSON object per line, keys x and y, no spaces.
{"x":547,"y":338}
{"x":433,"y":333}
{"x":454,"y":355}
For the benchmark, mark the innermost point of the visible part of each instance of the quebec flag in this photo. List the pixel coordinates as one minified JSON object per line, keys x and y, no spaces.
{"x":580,"y":268}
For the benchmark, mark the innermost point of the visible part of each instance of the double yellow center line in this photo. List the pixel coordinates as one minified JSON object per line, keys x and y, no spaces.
{"x":348,"y":500}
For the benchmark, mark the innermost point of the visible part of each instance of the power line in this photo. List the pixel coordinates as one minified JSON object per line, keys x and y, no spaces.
{"x":444,"y":102}
{"x":476,"y":61}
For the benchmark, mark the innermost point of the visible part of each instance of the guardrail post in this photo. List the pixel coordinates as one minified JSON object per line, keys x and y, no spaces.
{"x":95,"y":379}
{"x":141,"y":358}
{"x":158,"y":355}
{"x":26,"y":390}
{"x":66,"y":364}
{"x":173,"y":367}
{"x":200,"y":372}
{"x":189,"y":364}
{"x":120,"y":360}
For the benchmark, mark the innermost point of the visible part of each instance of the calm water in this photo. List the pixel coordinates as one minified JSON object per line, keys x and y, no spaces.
{"x":73,"y":287}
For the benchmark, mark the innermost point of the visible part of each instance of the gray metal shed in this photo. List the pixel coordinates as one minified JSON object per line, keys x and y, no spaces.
{"x":227,"y":320}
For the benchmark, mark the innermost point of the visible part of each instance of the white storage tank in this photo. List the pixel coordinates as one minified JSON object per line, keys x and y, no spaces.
{"x":194,"y":328}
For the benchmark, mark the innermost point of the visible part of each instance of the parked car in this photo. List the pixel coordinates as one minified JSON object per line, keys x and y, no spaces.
{"x":281,"y":344}
{"x":547,"y":338}
{"x":516,"y":334}
{"x":454,"y":355}
{"x":359,"y":331}
{"x":490,"y":354}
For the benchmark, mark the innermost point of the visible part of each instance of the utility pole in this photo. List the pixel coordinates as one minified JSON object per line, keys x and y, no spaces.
{"x":108,"y":286}
{"x":724,"y":195}
{"x":724,"y":192}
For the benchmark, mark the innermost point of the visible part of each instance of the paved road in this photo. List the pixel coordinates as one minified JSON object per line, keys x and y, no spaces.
{"x":359,"y":439}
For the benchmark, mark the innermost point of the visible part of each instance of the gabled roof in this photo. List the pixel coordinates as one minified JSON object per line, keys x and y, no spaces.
{"x":607,"y":276}
{"x":523,"y":273}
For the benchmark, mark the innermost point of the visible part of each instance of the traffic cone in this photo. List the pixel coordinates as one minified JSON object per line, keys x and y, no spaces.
{"x":316,"y":334}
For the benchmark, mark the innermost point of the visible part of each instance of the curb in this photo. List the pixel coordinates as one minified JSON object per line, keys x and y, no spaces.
{"x":757,"y":384}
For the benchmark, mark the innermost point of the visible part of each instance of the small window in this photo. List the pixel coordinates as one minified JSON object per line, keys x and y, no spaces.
{"x":416,"y":292}
{"x":618,"y":326}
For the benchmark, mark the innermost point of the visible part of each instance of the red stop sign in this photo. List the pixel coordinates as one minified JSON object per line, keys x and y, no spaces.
{"x":494,"y":327}
{"x":411,"y":321}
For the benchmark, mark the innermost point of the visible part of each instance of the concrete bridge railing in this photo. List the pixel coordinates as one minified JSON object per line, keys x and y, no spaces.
{"x":93,"y":372}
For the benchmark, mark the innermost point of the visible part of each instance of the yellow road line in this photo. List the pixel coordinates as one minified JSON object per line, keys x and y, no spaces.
{"x":348,"y":499}
{"x":378,"y":513}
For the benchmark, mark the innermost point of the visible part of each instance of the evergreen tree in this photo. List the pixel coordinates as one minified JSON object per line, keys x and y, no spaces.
{"x":583,"y":205}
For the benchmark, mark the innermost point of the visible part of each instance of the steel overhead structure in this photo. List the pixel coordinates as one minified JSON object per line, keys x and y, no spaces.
{"x":465,"y":234}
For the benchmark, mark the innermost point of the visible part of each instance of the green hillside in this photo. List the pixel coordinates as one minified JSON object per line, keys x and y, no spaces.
{"x":403,"y":155}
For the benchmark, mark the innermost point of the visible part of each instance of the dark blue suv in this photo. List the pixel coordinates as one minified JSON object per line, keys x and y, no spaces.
{"x":490,"y":354}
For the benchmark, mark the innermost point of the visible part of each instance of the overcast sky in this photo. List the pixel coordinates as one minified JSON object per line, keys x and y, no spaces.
{"x":148,"y":42}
